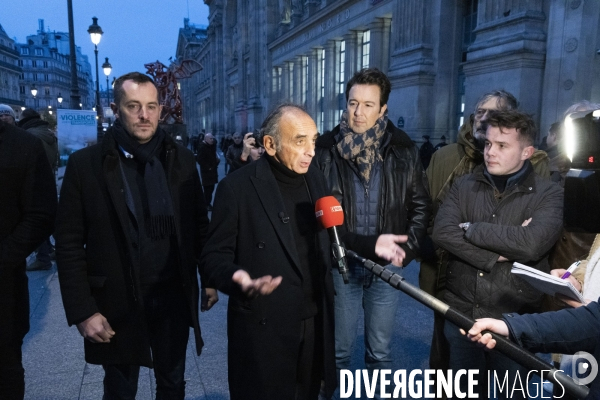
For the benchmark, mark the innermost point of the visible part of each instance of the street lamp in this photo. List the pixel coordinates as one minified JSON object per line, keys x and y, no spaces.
{"x":60,"y":99}
{"x":96,"y":34}
{"x":107,"y":68}
{"x":34,"y":93}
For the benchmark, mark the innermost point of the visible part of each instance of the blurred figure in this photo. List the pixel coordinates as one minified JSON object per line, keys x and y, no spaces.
{"x":559,"y":163}
{"x":33,"y":123}
{"x":208,"y":160}
{"x":264,"y":240}
{"x":28,"y":199}
{"x":426,"y":151}
{"x":234,"y":151}
{"x":226,"y":141}
{"x":131,"y":225}
{"x":440,"y":144}
{"x":7,"y":114}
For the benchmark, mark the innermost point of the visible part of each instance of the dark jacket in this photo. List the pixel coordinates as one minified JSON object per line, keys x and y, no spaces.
{"x":234,"y":152}
{"x":208,"y":160}
{"x":27,"y":211}
{"x":567,"y":331}
{"x":404,"y":202}
{"x":41,"y":129}
{"x":477,"y":284}
{"x":97,"y":263}
{"x":247,"y":232}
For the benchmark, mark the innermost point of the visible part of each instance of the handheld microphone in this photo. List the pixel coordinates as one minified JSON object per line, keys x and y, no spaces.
{"x":329,"y":213}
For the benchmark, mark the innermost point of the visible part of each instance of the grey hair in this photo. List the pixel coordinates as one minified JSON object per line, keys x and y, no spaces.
{"x":270,"y":125}
{"x":583,"y":105}
{"x":504,"y":100}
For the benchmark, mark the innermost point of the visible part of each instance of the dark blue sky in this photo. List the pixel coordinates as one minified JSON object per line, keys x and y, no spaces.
{"x":135,"y":31}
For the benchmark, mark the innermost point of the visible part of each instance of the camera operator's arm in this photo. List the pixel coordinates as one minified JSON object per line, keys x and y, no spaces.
{"x":248,"y":145}
{"x":524,"y":243}
{"x":450,"y":236}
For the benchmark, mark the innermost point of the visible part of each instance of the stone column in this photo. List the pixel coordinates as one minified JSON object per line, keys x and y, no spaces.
{"x":380,"y":43}
{"x":298,"y":88}
{"x":509,"y":52}
{"x":314,"y":87}
{"x":351,"y":64}
{"x":330,"y":103}
{"x":411,"y":69}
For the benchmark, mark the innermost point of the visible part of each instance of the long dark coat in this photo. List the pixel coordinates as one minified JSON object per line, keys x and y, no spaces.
{"x":209,"y":161}
{"x":247,"y":232}
{"x":27,"y":211}
{"x":97,"y":264}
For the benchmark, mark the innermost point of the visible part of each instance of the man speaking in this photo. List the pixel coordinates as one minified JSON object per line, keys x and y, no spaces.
{"x":264,"y":226}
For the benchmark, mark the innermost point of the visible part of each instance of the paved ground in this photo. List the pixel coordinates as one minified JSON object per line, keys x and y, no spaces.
{"x":55,"y":367}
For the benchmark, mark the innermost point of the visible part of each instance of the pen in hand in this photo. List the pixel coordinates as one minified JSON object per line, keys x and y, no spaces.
{"x":571,"y":269}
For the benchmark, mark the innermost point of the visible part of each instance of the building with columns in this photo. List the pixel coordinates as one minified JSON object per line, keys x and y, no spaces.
{"x":440,"y":56}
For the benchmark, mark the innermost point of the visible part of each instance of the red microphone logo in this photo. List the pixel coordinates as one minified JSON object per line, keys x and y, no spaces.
{"x":329,"y":212}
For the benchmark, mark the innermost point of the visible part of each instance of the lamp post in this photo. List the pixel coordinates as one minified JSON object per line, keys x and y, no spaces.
{"x":34,"y":93}
{"x":96,"y":34}
{"x":107,"y":68}
{"x":60,"y":99}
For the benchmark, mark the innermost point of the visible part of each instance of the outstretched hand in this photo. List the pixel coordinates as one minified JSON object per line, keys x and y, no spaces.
{"x":255,"y":287}
{"x":388,"y":249}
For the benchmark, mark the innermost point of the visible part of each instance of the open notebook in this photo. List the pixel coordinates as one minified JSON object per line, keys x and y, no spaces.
{"x":546,"y":283}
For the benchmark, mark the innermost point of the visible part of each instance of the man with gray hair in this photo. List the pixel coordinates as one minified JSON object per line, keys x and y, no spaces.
{"x":281,"y":346}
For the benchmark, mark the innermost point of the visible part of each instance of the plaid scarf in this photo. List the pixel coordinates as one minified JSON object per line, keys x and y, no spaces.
{"x":363,"y":150}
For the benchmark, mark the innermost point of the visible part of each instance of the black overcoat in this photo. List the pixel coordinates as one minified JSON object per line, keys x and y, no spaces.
{"x":248,"y":231}
{"x":97,"y":260}
{"x":27,"y":211}
{"x":209,"y":161}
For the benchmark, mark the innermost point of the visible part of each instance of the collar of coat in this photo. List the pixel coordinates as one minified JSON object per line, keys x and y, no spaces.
{"x":398,"y":137}
{"x":110,"y":146}
{"x":525,"y":183}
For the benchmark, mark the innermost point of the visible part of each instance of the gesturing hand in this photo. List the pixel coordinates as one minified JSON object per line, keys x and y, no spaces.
{"x":388,"y":249}
{"x":255,"y":287}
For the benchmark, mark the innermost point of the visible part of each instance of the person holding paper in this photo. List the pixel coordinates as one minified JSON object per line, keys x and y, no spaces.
{"x":502,"y":212}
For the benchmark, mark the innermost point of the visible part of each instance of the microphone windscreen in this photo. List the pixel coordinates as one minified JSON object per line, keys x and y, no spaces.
{"x":329,"y":212}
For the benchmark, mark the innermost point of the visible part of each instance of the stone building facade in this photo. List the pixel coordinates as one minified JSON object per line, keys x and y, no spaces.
{"x":45,"y":63}
{"x":440,"y":56}
{"x":9,"y":72}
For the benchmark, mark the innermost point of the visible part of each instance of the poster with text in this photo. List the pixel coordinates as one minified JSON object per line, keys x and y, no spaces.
{"x":76,"y":129}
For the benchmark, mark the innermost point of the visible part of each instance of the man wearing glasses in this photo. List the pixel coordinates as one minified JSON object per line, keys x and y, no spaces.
{"x":132,"y":222}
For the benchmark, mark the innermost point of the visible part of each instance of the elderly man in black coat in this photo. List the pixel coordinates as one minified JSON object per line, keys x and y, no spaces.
{"x":131,"y":225}
{"x":209,"y":161}
{"x":28,"y":207}
{"x":263,"y":225}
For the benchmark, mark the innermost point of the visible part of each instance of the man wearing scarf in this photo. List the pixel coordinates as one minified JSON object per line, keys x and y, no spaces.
{"x":131,"y":225}
{"x":374,"y":170}
{"x":501,"y":213}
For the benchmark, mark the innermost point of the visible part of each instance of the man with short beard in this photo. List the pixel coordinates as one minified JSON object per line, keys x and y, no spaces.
{"x":131,"y":225}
